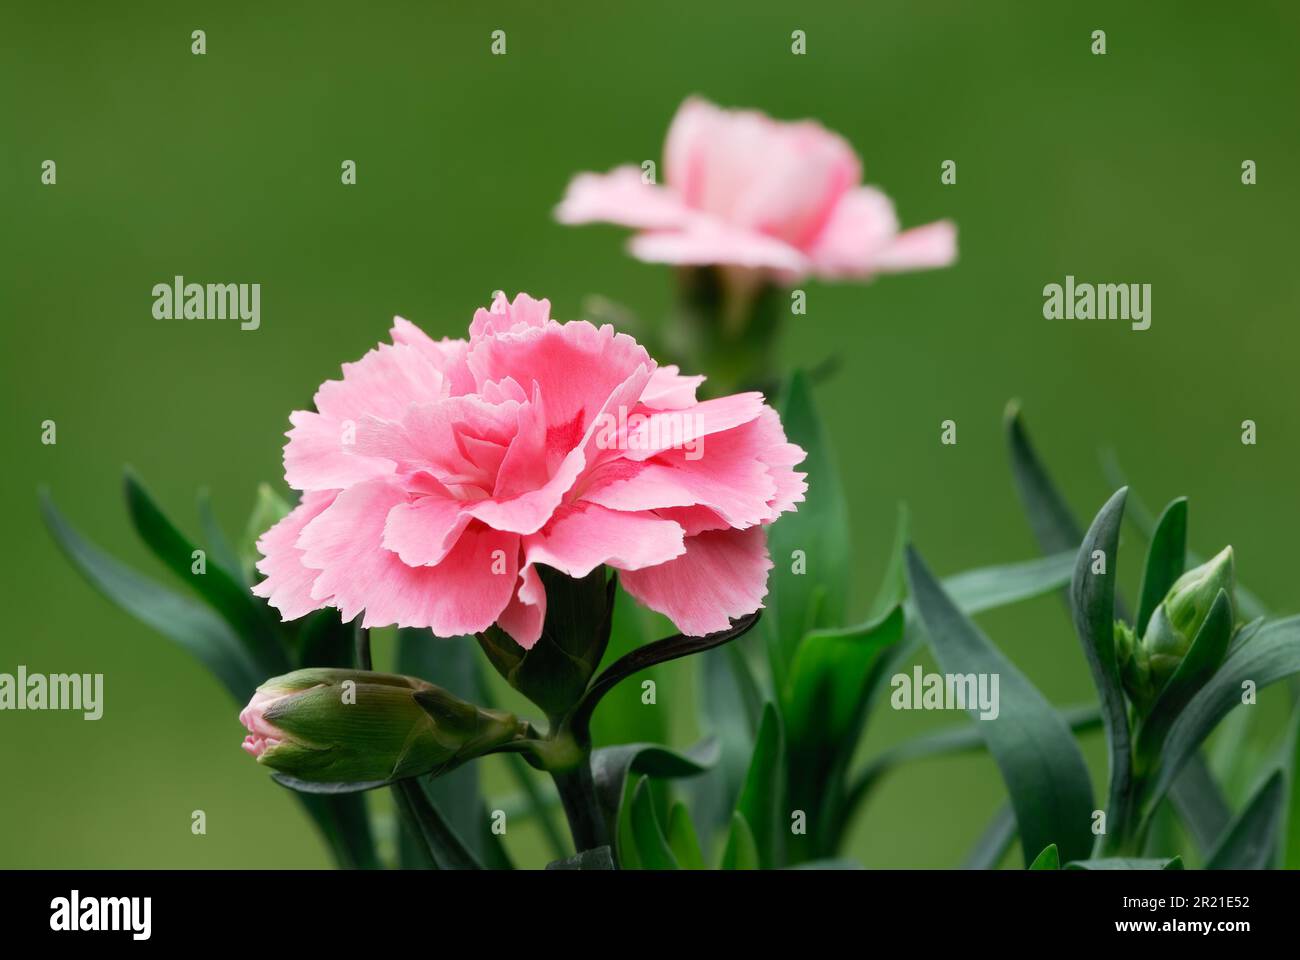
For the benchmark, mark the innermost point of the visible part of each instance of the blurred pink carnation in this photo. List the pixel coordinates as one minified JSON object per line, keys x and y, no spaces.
{"x":742,"y":189}
{"x":437,"y":474}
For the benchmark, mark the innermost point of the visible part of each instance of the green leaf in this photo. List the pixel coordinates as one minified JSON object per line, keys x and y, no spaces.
{"x":1049,"y":859}
{"x":651,"y":654}
{"x":948,"y":742}
{"x":824,"y":709}
{"x":442,"y":845}
{"x":1200,"y":804}
{"x":682,"y":840}
{"x":1202,"y":659}
{"x":1127,"y":863}
{"x":762,"y":797}
{"x":985,"y":588}
{"x":268,"y":509}
{"x":1291,"y":759}
{"x":192,"y":627}
{"x":1092,"y":604}
{"x":219,"y":548}
{"x":993,"y":842}
{"x":741,"y":852}
{"x":599,"y":858}
{"x":819,"y":528}
{"x":1049,"y":515}
{"x":828,"y":680}
{"x":610,"y":767}
{"x":1039,"y":759}
{"x":653,"y":852}
{"x":1271,"y":654}
{"x":1166,"y":560}
{"x":1251,"y":841}
{"x":228,"y":597}
{"x":1144,"y":521}
{"x":345,"y":826}
{"x":724,"y":716}
{"x":893,"y":586}
{"x":622,"y":717}
{"x":451,"y":663}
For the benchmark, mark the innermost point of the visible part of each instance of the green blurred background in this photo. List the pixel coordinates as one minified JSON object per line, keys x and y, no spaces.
{"x":225,"y":167}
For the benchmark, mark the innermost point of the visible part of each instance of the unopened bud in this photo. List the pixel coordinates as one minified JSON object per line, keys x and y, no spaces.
{"x":335,"y":726}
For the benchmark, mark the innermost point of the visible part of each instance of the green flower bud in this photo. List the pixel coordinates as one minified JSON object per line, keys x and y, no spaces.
{"x":1146,"y":666}
{"x":354,"y":726}
{"x":1134,"y":668}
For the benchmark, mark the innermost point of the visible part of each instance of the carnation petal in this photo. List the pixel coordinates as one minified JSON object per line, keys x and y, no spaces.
{"x":621,"y":196}
{"x":721,"y":576}
{"x":582,"y":537}
{"x":288,"y":583}
{"x":464,"y":593}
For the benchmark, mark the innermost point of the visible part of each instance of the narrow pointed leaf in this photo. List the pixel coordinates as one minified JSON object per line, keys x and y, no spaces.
{"x":428,"y":825}
{"x":661,"y":651}
{"x":1092,"y":603}
{"x":1251,"y":841}
{"x":682,"y":840}
{"x":246,"y":614}
{"x":610,"y":767}
{"x":1290,"y":844}
{"x":985,"y":588}
{"x":741,"y":852}
{"x":1166,"y":560}
{"x":1040,"y":762}
{"x":1049,"y":859}
{"x":652,"y":848}
{"x":724,"y":717}
{"x":1049,"y":515}
{"x":819,"y":528}
{"x":1200,"y":804}
{"x":219,"y":548}
{"x":188,"y":624}
{"x":1272,"y":654}
{"x":1144,"y":521}
{"x":824,"y":709}
{"x":949,"y":742}
{"x":993,"y":842}
{"x":762,"y":797}
{"x":893,"y":586}
{"x":451,"y":663}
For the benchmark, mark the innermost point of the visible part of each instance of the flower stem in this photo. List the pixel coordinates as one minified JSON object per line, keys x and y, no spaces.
{"x":578,"y":796}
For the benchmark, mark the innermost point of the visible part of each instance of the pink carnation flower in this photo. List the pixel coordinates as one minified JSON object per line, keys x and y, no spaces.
{"x":745,"y":190}
{"x":437,"y":474}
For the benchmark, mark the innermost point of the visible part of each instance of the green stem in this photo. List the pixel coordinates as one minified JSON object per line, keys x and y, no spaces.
{"x":578,"y":796}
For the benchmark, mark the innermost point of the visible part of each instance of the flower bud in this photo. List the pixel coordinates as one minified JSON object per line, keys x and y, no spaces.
{"x":353,"y":726}
{"x":1146,"y":666}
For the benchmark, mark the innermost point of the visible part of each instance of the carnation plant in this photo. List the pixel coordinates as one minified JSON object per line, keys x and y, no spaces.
{"x":548,"y":509}
{"x":1198,"y":648}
